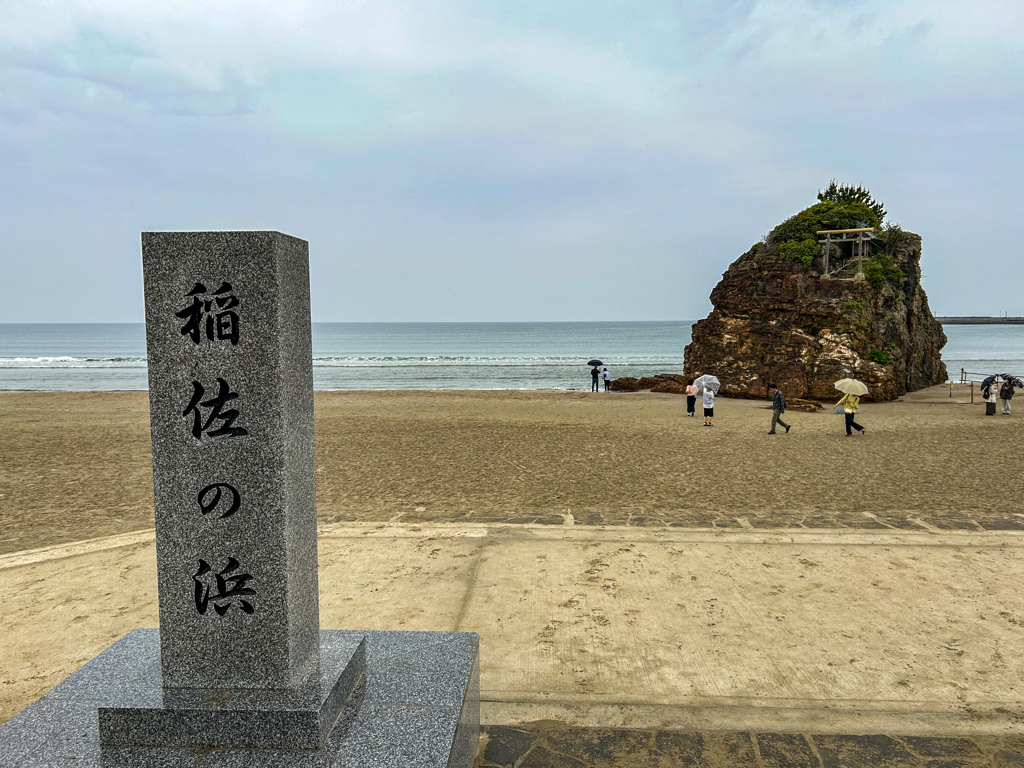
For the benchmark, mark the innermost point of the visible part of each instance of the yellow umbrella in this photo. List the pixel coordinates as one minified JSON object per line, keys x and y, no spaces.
{"x":852,"y":387}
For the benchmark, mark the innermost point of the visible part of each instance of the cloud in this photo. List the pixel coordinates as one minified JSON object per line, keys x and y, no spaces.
{"x":106,"y":66}
{"x":443,"y":131}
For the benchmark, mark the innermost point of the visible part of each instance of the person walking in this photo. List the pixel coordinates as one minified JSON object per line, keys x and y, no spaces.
{"x":606,"y":375}
{"x":850,"y":403}
{"x":691,"y":398}
{"x":778,"y":408}
{"x":595,"y":376}
{"x":709,"y":406}
{"x":1006,"y":394}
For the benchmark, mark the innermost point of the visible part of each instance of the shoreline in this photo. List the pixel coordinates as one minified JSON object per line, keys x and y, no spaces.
{"x":577,"y":390}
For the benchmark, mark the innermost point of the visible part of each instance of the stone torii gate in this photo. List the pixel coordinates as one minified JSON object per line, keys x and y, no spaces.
{"x":860,"y":238}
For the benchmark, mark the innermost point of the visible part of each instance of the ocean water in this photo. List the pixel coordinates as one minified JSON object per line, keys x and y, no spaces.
{"x":982,"y":350}
{"x":368,"y":355}
{"x":433,"y":355}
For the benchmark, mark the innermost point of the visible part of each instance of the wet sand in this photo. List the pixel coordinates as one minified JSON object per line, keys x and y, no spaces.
{"x":77,"y":465}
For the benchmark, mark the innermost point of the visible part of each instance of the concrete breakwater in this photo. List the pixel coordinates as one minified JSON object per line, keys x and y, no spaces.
{"x":981,"y":320}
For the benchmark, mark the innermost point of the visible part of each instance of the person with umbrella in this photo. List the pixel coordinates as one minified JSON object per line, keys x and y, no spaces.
{"x":595,"y":375}
{"x":1006,"y":391}
{"x":988,"y":394}
{"x":707,"y":387}
{"x":852,"y":389}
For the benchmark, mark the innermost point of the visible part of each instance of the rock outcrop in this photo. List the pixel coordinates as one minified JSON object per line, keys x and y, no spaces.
{"x":673,"y":383}
{"x":669,"y":386}
{"x":777,"y":318}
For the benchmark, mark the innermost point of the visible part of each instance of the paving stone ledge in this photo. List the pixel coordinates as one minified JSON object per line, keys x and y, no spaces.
{"x":548,"y":744}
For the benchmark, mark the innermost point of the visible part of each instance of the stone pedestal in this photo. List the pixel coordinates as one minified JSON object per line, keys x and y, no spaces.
{"x":154,"y":715}
{"x":416,"y":706}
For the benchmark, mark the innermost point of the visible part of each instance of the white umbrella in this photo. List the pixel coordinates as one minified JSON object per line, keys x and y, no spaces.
{"x":852,"y":387}
{"x":707,"y":380}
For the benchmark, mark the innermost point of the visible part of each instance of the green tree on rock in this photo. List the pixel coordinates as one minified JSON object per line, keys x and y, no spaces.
{"x":839,"y":207}
{"x":847,"y":193}
{"x":826,"y":215}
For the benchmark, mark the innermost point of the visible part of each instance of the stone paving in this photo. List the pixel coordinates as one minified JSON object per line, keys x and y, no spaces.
{"x":553,"y":745}
{"x":943,"y":519}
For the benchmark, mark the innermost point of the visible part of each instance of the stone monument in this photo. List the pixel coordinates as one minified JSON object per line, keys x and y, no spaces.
{"x":240,"y":673}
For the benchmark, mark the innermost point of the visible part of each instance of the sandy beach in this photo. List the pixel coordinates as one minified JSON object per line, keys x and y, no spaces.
{"x":624,"y":566}
{"x":77,"y":465}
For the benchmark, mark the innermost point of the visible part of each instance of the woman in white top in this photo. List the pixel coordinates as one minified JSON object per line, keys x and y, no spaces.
{"x":709,"y":406}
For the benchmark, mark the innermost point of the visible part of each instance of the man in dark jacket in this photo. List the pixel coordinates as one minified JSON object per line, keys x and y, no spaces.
{"x":1006,"y":394}
{"x":778,"y":407}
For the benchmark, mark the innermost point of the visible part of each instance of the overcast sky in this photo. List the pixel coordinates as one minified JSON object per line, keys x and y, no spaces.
{"x":495,"y":160}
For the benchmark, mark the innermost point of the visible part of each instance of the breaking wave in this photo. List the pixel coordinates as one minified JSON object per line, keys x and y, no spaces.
{"x":64,"y":361}
{"x":336,"y":361}
{"x":431,"y":361}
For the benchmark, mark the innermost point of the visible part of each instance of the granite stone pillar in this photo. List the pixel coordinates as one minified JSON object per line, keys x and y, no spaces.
{"x":231,"y":416}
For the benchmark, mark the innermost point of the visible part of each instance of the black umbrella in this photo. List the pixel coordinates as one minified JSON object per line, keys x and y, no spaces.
{"x":595,"y":362}
{"x":988,"y":381}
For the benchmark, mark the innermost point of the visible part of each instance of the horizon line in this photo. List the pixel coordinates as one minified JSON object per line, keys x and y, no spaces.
{"x":385,"y":322}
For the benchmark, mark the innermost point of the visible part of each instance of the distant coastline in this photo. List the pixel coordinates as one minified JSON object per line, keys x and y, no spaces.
{"x":981,"y":320}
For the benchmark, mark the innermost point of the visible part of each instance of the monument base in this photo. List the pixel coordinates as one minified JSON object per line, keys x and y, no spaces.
{"x":417,"y":704}
{"x":149,"y":715}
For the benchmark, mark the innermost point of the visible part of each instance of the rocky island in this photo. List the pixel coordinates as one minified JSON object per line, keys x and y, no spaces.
{"x":831,"y":292}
